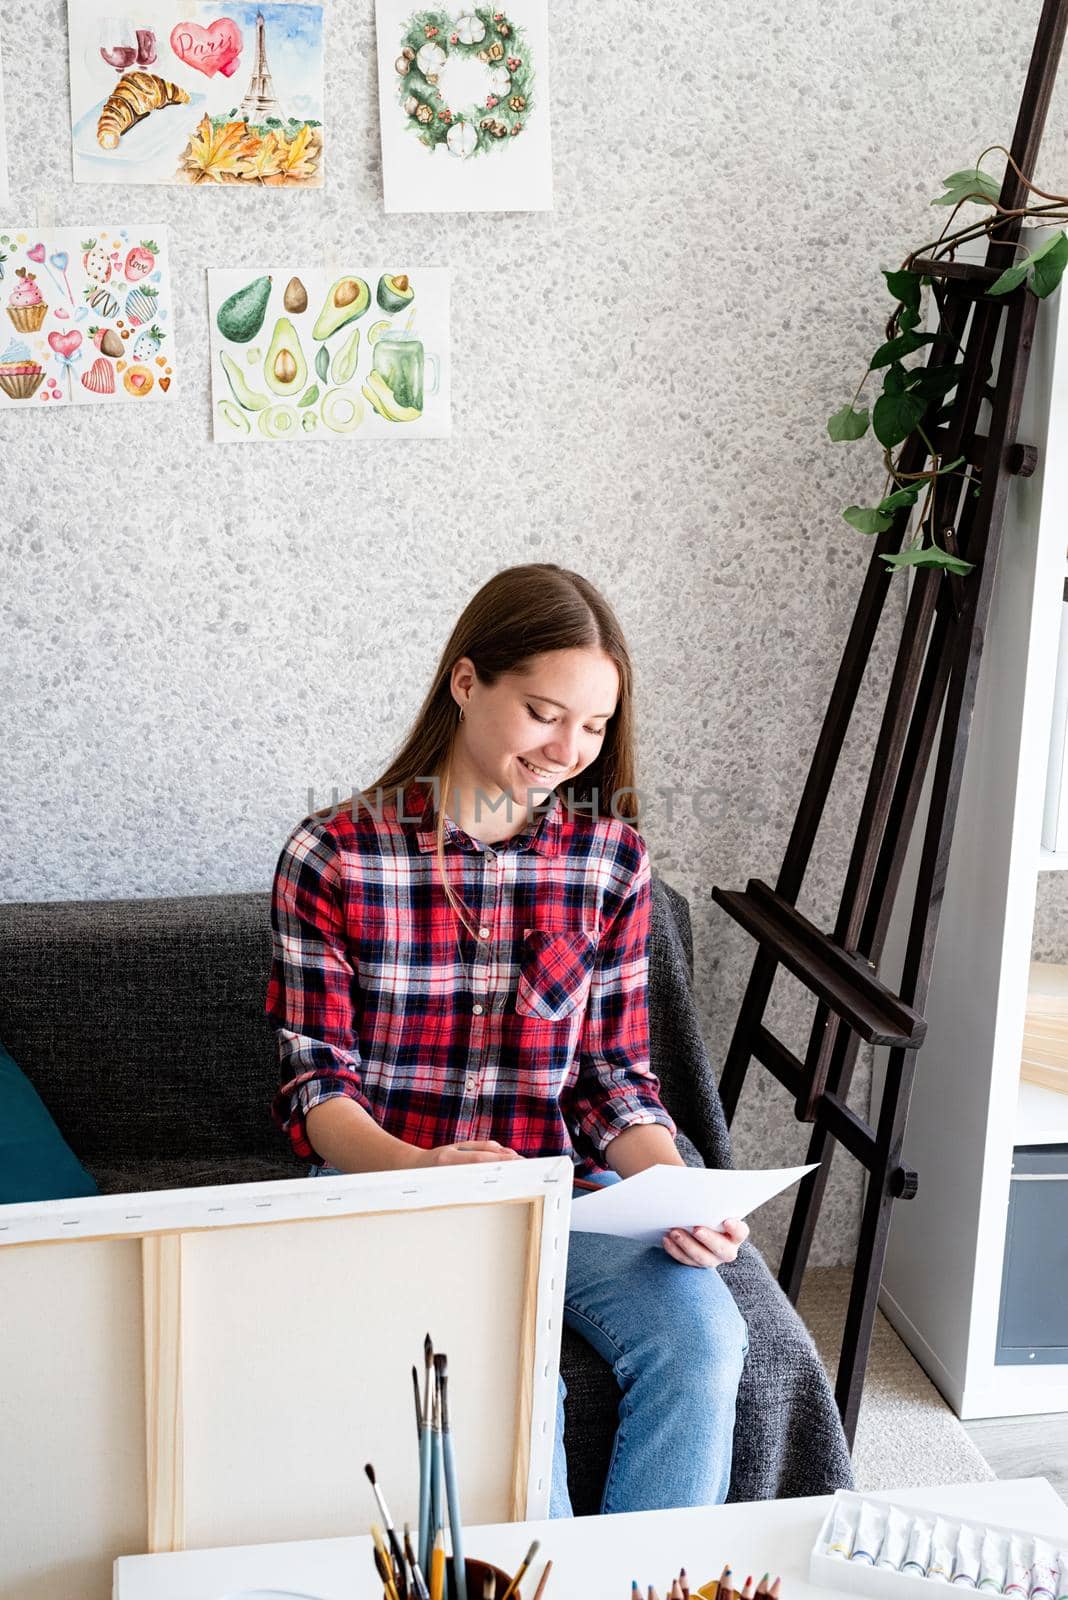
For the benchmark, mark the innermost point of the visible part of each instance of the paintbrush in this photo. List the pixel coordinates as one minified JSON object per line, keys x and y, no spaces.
{"x":418,"y":1404}
{"x":425,"y":1533}
{"x":459,"y":1565}
{"x":418,"y":1581}
{"x":521,"y":1574}
{"x":383,"y":1563}
{"x":437,"y":1486}
{"x":394,"y":1542}
{"x":489,"y":1587}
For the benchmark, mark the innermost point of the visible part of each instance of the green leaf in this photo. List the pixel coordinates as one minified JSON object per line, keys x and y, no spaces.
{"x":904,"y":286}
{"x":1010,"y":279}
{"x":866,"y":519}
{"x":949,"y":466}
{"x":972,"y":184}
{"x":900,"y":498}
{"x":322,"y":363}
{"x":930,"y":556}
{"x":933,"y":382}
{"x":848,"y":424}
{"x":895,"y":415}
{"x":903,"y":345}
{"x":896,"y":380}
{"x":1056,"y":247}
{"x":1049,"y":266}
{"x":908,"y":319}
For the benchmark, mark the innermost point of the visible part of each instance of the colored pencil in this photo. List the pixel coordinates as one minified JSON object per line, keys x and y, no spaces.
{"x":540,"y":1590}
{"x":437,"y":1567}
{"x":747,"y":1591}
{"x":459,"y":1564}
{"x":684,"y":1584}
{"x":522,"y":1572}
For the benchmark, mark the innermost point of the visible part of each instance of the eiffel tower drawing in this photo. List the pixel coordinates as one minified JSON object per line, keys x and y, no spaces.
{"x":260,"y":101}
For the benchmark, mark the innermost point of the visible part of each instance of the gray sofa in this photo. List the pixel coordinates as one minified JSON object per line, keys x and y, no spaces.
{"x":141,"y":1024}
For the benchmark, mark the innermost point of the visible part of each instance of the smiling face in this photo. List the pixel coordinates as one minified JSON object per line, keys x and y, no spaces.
{"x":534,"y":731}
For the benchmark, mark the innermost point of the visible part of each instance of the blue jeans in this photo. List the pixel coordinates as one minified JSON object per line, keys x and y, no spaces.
{"x":676,"y":1343}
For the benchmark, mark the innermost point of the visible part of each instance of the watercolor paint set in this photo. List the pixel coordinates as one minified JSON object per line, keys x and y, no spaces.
{"x":869,"y":1547}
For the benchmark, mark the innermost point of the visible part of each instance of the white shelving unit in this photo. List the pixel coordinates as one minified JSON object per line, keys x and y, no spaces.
{"x":942,"y":1283}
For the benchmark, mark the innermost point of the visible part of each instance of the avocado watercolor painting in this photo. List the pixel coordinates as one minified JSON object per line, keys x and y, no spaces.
{"x":300,"y":355}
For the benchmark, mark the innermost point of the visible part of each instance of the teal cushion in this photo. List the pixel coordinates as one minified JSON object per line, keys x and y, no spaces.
{"x":36,"y":1162}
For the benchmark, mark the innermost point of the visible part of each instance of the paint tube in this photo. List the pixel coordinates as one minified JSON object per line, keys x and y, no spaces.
{"x":869,"y":1536}
{"x":966,"y":1566}
{"x":993,"y":1561}
{"x":843,"y":1527}
{"x":895,"y":1540}
{"x":1044,"y":1572}
{"x":1018,"y":1576}
{"x":943,"y":1540}
{"x":1062,"y":1576}
{"x":918,"y":1555}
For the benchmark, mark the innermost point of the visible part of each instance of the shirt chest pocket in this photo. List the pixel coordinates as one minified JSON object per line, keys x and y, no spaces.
{"x":555,"y":973}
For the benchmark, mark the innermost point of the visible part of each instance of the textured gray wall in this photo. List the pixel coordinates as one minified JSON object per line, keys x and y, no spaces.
{"x":192,"y":636}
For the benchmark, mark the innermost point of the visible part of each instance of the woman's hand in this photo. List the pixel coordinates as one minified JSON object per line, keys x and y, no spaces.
{"x":465,"y":1152}
{"x":705,"y":1247}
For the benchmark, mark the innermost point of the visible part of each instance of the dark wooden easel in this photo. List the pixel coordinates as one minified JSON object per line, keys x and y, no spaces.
{"x":934,"y":677}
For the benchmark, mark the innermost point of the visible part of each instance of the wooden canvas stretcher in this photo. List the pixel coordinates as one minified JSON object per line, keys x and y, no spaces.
{"x":214,"y":1366}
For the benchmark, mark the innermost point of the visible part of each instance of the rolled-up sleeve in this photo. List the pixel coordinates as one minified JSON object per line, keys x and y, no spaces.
{"x":615,"y":1087}
{"x":312,"y":991}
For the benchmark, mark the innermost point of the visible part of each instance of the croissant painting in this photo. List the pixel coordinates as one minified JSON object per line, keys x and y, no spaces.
{"x":135,"y":95}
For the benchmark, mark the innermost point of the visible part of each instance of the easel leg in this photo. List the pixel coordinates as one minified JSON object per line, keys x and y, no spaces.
{"x":863,"y":1300}
{"x":754,"y":1004}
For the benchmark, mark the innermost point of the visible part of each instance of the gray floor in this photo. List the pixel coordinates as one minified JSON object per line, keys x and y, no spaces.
{"x":1025,"y":1447}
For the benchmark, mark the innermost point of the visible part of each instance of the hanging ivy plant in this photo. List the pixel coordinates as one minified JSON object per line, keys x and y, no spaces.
{"x":898,"y":413}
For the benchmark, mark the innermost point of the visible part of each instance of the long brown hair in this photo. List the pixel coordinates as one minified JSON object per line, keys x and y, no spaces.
{"x":521,"y":613}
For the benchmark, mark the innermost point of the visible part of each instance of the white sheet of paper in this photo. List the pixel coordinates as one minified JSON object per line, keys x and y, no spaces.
{"x":4,"y":192}
{"x":661,"y":1198}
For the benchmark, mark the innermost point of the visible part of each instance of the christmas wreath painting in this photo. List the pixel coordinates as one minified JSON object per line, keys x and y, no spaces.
{"x":430,"y":40}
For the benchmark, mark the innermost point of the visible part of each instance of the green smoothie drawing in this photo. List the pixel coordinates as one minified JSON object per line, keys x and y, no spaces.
{"x":395,"y":384}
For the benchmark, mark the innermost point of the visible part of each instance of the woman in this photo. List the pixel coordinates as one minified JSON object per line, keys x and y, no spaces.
{"x":460,"y":975}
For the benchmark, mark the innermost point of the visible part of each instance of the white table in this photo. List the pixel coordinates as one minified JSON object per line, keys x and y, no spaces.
{"x":593,"y":1557}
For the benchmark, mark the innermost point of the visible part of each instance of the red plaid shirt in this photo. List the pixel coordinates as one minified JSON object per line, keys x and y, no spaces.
{"x":534,"y":1033}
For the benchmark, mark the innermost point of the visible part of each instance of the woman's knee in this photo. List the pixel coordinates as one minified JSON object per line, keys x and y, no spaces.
{"x":709,"y":1332}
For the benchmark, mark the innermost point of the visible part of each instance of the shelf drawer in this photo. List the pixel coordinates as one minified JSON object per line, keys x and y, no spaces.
{"x":1033,"y":1322}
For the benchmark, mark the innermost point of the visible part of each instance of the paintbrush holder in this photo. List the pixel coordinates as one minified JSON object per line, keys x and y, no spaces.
{"x":477,"y":1573}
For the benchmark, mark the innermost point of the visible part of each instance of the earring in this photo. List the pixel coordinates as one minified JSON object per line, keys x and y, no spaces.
{"x":461,"y":713}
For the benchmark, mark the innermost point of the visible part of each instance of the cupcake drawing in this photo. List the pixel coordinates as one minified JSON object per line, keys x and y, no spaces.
{"x":20,"y":375}
{"x":25,"y":305}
